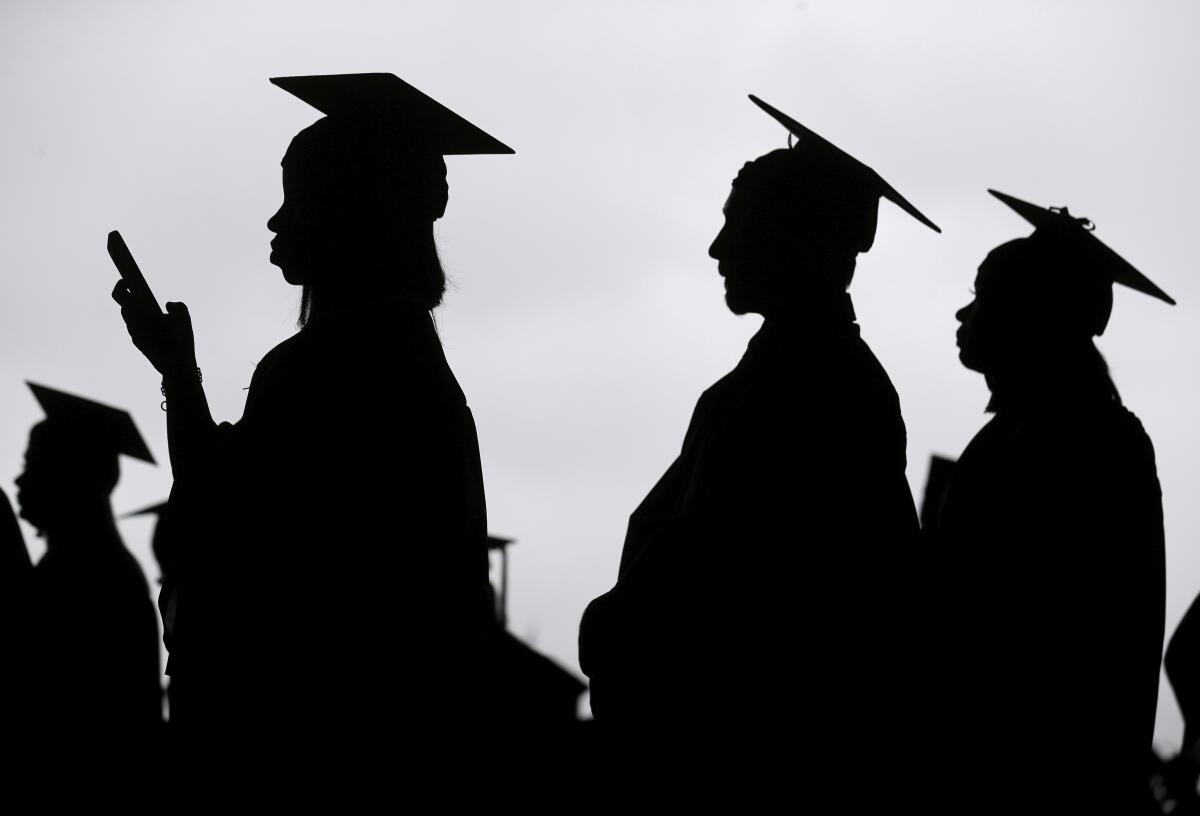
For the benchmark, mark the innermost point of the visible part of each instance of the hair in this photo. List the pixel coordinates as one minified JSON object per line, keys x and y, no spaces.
{"x":1095,"y":369}
{"x":1082,"y":370}
{"x":424,"y":282}
{"x":379,"y":192}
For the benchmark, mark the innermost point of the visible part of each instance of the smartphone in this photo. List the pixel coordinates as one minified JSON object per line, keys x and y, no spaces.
{"x":127,"y":266}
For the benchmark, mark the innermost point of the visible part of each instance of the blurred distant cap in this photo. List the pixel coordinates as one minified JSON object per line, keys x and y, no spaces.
{"x":498,"y":543}
{"x":1075,"y":237}
{"x":419,"y":117}
{"x":847,"y":170}
{"x":107,"y":428}
{"x":153,"y":510}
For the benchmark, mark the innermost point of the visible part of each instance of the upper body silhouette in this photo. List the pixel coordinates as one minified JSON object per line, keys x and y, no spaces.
{"x":1051,"y":540}
{"x":330,"y":560}
{"x":90,"y":660}
{"x":751,"y":590}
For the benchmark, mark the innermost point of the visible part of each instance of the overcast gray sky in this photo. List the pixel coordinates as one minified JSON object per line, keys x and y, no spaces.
{"x":586,"y":317}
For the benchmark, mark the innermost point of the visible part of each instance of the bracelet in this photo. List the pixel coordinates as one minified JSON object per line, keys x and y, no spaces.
{"x":162,"y":389}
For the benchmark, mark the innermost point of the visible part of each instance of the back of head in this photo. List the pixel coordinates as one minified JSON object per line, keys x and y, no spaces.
{"x":370,"y":171}
{"x":1045,"y":282}
{"x":819,"y":195}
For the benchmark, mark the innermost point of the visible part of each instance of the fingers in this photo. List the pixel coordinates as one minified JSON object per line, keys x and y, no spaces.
{"x":120,"y":292}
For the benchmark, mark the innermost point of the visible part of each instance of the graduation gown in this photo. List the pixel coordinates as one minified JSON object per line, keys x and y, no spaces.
{"x":754,"y":587}
{"x":92,"y":654}
{"x":1054,"y":590}
{"x":331,"y":576}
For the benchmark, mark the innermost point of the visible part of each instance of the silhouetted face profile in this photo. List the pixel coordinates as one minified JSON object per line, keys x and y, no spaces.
{"x":64,"y":470}
{"x":794,"y":224}
{"x":362,"y":188}
{"x":1035,"y":300}
{"x":358,"y":209}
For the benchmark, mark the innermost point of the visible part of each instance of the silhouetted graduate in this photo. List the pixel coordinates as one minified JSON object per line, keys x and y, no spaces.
{"x":91,"y":663}
{"x":753,"y":588}
{"x":333,"y":542}
{"x":528,"y":689}
{"x":1053,"y":539}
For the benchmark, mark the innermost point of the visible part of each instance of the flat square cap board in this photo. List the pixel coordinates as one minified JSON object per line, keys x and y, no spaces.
{"x":110,"y":428}
{"x":1091,"y":250}
{"x":866,"y":177}
{"x":386,"y":95}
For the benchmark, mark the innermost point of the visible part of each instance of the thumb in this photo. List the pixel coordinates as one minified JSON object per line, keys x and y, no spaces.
{"x":180,"y":316}
{"x":180,"y":321}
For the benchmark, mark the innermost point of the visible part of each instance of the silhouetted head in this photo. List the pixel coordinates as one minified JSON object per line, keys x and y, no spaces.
{"x":359,"y":202}
{"x":71,"y":460}
{"x":64,"y":470}
{"x":363,"y":186}
{"x":795,"y":222}
{"x":1040,"y":300}
{"x":794,"y":225}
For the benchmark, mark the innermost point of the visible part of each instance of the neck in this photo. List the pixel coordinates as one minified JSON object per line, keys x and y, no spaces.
{"x":829,"y":313}
{"x":1077,"y":376}
{"x":325,"y":302}
{"x":90,"y":526}
{"x":400,"y":270}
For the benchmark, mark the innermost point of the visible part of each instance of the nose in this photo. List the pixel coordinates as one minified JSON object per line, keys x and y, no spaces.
{"x":714,"y":249}
{"x":273,"y":221}
{"x":965,"y":312}
{"x":21,"y":478}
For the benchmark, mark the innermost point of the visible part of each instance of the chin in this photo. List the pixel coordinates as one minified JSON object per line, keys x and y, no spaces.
{"x":738,"y":303}
{"x":291,"y":276}
{"x":969,"y":361}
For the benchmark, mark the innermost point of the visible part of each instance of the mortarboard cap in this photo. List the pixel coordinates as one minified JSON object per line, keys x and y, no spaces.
{"x":342,"y":95}
{"x":498,"y":543}
{"x":1059,"y":221}
{"x":110,"y":428}
{"x":865,"y":176}
{"x":153,"y":510}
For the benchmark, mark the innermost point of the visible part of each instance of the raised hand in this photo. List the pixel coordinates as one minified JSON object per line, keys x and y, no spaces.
{"x":166,"y":340}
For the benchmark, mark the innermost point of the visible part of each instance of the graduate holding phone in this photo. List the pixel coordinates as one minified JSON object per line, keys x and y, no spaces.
{"x":332,"y":563}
